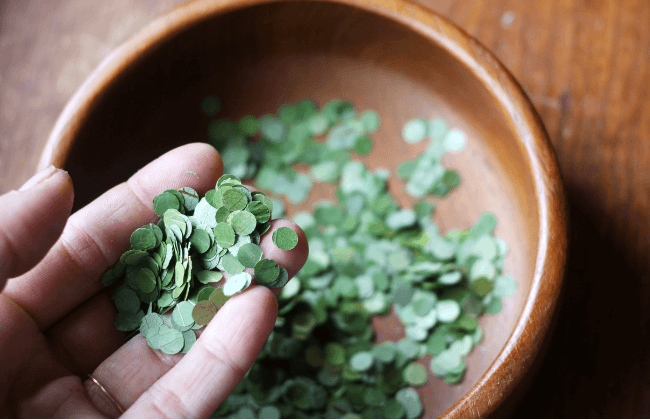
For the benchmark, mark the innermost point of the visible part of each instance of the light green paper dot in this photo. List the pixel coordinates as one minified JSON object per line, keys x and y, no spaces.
{"x":285,"y":238}
{"x":455,"y":141}
{"x":269,"y":412}
{"x":447,"y":310}
{"x":243,"y":222}
{"x":189,"y":338}
{"x":182,"y":314}
{"x":415,"y":374}
{"x":208,"y":276}
{"x":231,"y":264}
{"x":234,"y":200}
{"x":414,"y":131}
{"x":150,"y":323}
{"x":411,"y":402}
{"x":504,"y":286}
{"x":249,"y":255}
{"x":361,"y":361}
{"x":171,"y":341}
{"x":437,"y":128}
{"x":224,"y":235}
{"x":200,"y":240}
{"x":272,"y":128}
{"x":370,"y":121}
{"x":237,"y":283}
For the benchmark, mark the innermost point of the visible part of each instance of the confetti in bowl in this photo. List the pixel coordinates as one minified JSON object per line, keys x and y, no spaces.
{"x":391,"y":56}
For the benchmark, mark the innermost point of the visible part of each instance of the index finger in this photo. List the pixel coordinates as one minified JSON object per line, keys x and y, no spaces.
{"x":97,"y":235}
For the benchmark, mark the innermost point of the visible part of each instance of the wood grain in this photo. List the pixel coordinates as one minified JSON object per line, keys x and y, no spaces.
{"x":585,"y":66}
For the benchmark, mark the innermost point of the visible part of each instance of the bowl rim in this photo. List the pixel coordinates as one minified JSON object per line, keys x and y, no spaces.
{"x":534,"y":319}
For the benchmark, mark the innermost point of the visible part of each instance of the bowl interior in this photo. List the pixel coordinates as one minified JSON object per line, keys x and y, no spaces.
{"x":262,"y":56}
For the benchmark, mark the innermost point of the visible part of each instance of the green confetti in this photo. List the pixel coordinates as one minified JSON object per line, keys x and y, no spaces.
{"x":189,"y":338}
{"x":405,"y":170}
{"x":234,"y":200}
{"x":258,"y":209}
{"x":237,"y":283}
{"x":146,"y":280}
{"x":249,"y":125}
{"x":272,"y":128}
{"x":133,"y":257}
{"x":126,"y":300}
{"x":363,"y":145}
{"x":414,"y":131}
{"x":231,"y":264}
{"x":361,"y":361}
{"x":218,"y":298}
{"x":243,"y":222}
{"x":269,"y":412}
{"x":150,"y":323}
{"x":281,"y":280}
{"x":208,"y":276}
{"x":367,"y":255}
{"x":285,"y":238}
{"x":266,"y":272}
{"x":447,"y":310}
{"x":249,"y":255}
{"x":127,"y":321}
{"x":173,"y":217}
{"x":437,"y":128}
{"x":415,"y":374}
{"x":164,"y":202}
{"x":143,"y":239}
{"x":411,"y":402}
{"x":455,"y":141}
{"x":504,"y":286}
{"x":224,"y":235}
{"x":204,"y":293}
{"x":318,"y":124}
{"x":384,"y":352}
{"x":370,"y":121}
{"x":200,"y":240}
{"x":182,"y":314}
{"x":393,"y":409}
{"x":171,"y":341}
{"x":203,"y":312}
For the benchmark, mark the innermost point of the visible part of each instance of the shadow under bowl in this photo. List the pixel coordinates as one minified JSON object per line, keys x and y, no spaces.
{"x":391,"y":56}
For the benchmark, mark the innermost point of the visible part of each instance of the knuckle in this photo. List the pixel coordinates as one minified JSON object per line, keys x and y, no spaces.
{"x":167,"y":403}
{"x":216,"y":354}
{"x":82,"y":248}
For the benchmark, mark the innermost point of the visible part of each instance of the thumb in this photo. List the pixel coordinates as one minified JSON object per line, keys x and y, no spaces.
{"x":32,"y":220}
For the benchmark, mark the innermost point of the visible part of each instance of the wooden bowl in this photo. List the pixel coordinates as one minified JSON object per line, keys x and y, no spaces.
{"x":392,"y":56}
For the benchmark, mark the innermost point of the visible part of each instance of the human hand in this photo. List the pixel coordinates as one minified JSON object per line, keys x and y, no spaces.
{"x":56,"y":320}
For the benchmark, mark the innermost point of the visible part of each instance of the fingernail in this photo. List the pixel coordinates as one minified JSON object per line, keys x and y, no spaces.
{"x":38,"y":178}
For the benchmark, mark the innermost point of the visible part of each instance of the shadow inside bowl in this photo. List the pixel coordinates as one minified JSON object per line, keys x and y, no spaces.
{"x":262,"y":56}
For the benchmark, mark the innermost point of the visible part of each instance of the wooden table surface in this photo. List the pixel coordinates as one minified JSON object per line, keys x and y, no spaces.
{"x":584,"y":63}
